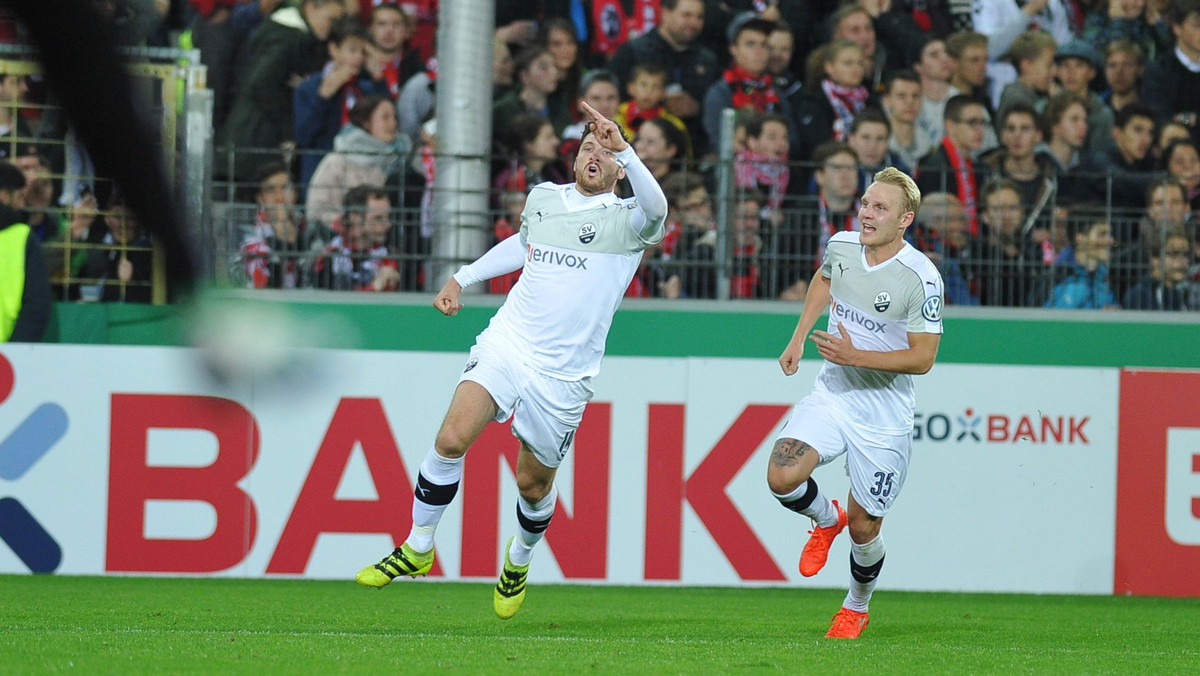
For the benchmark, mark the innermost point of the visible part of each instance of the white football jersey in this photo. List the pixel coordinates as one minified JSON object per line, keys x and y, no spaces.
{"x":581,"y":253}
{"x":878,"y":306}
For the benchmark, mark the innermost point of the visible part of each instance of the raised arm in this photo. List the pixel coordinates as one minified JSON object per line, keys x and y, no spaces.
{"x":652,"y":202}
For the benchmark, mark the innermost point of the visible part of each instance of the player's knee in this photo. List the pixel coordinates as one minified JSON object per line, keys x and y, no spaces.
{"x":864,"y":527}
{"x":452,"y":443}
{"x":533,"y":489}
{"x":784,"y":480}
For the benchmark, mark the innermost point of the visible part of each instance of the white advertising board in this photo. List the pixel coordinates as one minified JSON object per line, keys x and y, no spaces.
{"x":132,"y":460}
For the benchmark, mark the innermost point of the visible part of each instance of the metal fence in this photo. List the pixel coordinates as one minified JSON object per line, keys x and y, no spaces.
{"x":724,"y":241}
{"x":738,"y":242}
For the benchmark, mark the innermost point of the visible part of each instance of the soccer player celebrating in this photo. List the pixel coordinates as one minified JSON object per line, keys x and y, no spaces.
{"x":884,"y":299}
{"x":536,"y":359}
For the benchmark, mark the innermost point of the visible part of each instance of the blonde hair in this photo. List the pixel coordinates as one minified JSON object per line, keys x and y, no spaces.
{"x":912,"y":195}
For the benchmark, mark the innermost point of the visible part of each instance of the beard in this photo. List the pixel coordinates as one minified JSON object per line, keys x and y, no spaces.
{"x":603,"y":181}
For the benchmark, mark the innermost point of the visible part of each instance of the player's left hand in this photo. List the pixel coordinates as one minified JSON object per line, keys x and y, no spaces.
{"x":837,"y":349}
{"x":607,"y":133}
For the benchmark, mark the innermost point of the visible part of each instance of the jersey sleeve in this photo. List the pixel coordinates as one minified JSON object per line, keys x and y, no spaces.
{"x":925,"y":302}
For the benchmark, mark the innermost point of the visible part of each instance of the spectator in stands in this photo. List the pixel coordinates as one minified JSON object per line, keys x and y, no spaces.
{"x":825,"y":110}
{"x":1081,"y":271}
{"x":691,"y":66}
{"x":424,"y":14}
{"x":120,"y":270}
{"x":868,"y":138}
{"x":1121,"y":20}
{"x":601,"y":89}
{"x":690,"y":240}
{"x":368,"y":150}
{"x":1124,"y":64}
{"x":363,"y":257}
{"x":323,"y":100}
{"x":1120,"y":174}
{"x":662,"y":147}
{"x":26,"y":300}
{"x":781,"y":48}
{"x":745,"y":85}
{"x":902,"y":103}
{"x":1170,"y":131}
{"x":392,"y":60}
{"x":276,"y":252}
{"x":1064,"y":128}
{"x":647,"y":94}
{"x":43,"y":219}
{"x":537,"y":80}
{"x":1016,"y":160}
{"x":417,"y":99}
{"x":503,"y":69}
{"x":1032,"y":55}
{"x":290,"y":44}
{"x":941,"y":233}
{"x":1182,"y":163}
{"x":969,"y":52}
{"x":558,"y":36}
{"x":1003,"y":21}
{"x":532,"y":156}
{"x":1171,"y":87}
{"x":1006,"y":257}
{"x":763,"y":165}
{"x":746,"y":246}
{"x":935,"y":68}
{"x":1077,"y":65}
{"x":937,"y":18}
{"x":13,"y":90}
{"x":899,"y":30}
{"x":211,"y":31}
{"x":1166,"y":212}
{"x":853,"y":22}
{"x":800,"y":245}
{"x":1166,"y":286}
{"x":949,"y":168}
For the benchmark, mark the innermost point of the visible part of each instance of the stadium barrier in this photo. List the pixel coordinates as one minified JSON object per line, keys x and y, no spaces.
{"x":1051,"y":455}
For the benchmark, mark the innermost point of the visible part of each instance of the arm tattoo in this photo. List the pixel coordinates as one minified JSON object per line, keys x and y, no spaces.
{"x":787,"y":452}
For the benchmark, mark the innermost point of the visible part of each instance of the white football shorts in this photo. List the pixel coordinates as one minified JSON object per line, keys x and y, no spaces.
{"x":545,"y":411}
{"x":875,"y":462}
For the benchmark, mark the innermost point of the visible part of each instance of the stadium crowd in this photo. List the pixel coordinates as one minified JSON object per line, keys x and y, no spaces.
{"x":1055,"y":142}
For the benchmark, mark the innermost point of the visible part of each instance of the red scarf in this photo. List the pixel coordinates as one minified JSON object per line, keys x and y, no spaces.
{"x":828,"y":227}
{"x":846,"y":102}
{"x":751,"y":91}
{"x":755,"y":170}
{"x":634,"y":116}
{"x":964,"y":172}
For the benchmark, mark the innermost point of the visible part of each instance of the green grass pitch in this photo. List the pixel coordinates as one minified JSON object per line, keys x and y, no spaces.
{"x":126,"y":625}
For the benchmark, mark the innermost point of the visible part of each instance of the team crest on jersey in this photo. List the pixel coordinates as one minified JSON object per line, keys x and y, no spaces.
{"x":471,"y":364}
{"x":883,"y":301}
{"x":932,"y":309}
{"x":587,"y":232}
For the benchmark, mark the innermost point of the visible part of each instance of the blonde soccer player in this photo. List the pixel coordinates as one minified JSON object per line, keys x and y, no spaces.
{"x":884,"y":299}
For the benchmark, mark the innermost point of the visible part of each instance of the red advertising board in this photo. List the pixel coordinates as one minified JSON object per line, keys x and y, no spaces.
{"x":1158,"y":485}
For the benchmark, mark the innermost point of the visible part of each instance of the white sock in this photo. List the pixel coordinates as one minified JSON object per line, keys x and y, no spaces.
{"x":437,"y":484}
{"x":532,"y":521}
{"x":866,"y":560}
{"x":817,"y":507}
